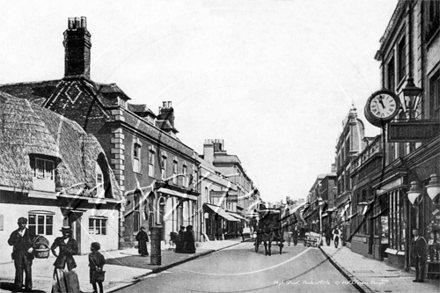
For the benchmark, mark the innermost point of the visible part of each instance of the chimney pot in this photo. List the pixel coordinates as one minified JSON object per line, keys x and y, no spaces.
{"x":70,"y":23}
{"x":83,"y":22}
{"x":169,"y":104}
{"x":164,"y":104}
{"x":77,"y":23}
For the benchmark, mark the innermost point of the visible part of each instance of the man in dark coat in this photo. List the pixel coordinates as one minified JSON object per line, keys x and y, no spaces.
{"x":419,"y":251}
{"x":189,"y":241}
{"x":68,"y":247}
{"x":142,"y":239}
{"x":179,"y":240}
{"x":22,"y":242}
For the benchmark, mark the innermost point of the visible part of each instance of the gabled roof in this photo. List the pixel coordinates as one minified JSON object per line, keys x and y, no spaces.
{"x":27,"y":129}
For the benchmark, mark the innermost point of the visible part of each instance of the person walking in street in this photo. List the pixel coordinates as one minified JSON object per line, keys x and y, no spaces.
{"x":240,"y":231}
{"x":96,"y":264}
{"x":22,"y":241}
{"x":189,"y":240}
{"x":295,"y":235}
{"x":179,"y":240}
{"x":328,"y":235}
{"x":142,"y":239}
{"x":419,"y":251}
{"x":65,"y":280}
{"x":336,"y":236}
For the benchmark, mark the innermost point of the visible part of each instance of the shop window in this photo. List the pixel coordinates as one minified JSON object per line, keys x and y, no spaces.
{"x":396,"y":221}
{"x":434,"y":96}
{"x":97,"y":226}
{"x":137,"y":158}
{"x":41,"y":222}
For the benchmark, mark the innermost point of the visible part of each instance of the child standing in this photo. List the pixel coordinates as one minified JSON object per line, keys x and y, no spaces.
{"x":96,"y":263}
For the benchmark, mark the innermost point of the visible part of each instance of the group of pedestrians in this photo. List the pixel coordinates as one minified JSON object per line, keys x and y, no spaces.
{"x":185,"y":240}
{"x":333,"y":234}
{"x":63,"y":248}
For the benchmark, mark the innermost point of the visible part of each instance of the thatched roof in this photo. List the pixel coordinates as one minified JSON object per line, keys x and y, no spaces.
{"x":27,"y":129}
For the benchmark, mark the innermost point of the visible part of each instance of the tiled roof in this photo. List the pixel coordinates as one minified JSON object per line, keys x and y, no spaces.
{"x":35,"y":92}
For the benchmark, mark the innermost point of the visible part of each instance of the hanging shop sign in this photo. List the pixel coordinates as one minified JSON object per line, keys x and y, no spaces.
{"x":413,"y":131}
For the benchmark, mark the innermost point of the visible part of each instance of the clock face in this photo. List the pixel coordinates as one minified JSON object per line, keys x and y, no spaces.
{"x":383,"y":106}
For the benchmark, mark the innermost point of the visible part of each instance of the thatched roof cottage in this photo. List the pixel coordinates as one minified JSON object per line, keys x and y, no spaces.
{"x":54,"y":173}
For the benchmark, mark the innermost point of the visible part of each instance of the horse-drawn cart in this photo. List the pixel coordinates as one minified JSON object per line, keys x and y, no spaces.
{"x":269,"y":229}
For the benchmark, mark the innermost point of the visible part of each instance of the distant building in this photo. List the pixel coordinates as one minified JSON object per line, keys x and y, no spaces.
{"x":230,"y":166}
{"x":349,"y":144}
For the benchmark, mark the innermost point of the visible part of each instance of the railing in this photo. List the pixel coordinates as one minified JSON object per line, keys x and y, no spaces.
{"x":367,"y":153}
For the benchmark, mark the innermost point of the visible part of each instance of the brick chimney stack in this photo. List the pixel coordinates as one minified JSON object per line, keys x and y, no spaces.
{"x":77,"y":46}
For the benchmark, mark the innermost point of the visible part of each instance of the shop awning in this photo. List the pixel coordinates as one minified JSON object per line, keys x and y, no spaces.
{"x":176,"y":193}
{"x":222,"y":213}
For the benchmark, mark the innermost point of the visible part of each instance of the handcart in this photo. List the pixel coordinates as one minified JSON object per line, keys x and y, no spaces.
{"x":312,"y":239}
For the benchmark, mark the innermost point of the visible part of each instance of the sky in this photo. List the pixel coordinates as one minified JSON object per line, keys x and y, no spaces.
{"x":273,"y":78}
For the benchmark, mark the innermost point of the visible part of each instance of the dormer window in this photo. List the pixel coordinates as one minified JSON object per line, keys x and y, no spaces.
{"x":122,"y":103}
{"x":43,"y":173}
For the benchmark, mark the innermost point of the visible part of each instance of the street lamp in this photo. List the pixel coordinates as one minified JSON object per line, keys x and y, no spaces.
{"x":414,"y":192}
{"x":433,"y":188}
{"x":411,"y":94}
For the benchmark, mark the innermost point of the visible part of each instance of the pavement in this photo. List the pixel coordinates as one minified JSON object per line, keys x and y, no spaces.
{"x":369,"y":275}
{"x":123,"y":267}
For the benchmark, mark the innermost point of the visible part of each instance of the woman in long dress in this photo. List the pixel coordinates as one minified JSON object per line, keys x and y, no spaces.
{"x":189,"y":246}
{"x":142,"y":239}
{"x":65,"y":277}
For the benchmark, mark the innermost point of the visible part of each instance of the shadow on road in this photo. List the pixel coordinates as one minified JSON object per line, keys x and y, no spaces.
{"x":10,"y":287}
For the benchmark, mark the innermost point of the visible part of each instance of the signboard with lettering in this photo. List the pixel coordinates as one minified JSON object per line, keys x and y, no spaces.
{"x":413,"y":131}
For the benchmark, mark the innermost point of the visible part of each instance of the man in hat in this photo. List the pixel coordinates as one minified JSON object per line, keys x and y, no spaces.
{"x":419,"y":251}
{"x":22,"y":242}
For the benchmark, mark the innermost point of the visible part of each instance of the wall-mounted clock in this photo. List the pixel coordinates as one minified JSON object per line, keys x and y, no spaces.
{"x":382,"y":106}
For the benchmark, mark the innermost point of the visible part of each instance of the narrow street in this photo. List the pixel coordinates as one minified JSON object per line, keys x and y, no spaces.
{"x":240,"y":269}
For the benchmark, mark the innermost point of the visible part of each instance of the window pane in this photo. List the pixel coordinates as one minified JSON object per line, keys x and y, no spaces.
{"x":49,"y":170}
{"x":40,"y":169}
{"x":32,"y":220}
{"x":32,"y":229}
{"x":49,"y":230}
{"x":49,"y":220}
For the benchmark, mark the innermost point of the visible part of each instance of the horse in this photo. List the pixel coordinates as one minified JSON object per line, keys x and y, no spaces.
{"x":267,"y":237}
